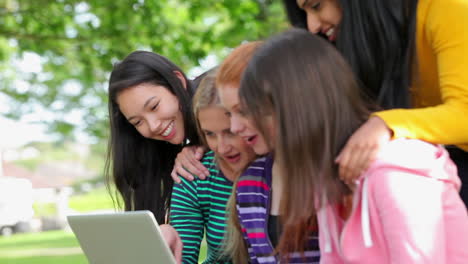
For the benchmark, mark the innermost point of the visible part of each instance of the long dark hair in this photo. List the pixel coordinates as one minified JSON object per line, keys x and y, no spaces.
{"x":141,"y":167}
{"x":378,"y":39}
{"x":314,"y":99}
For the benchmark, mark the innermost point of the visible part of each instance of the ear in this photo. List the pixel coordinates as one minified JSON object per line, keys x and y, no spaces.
{"x":181,"y":77}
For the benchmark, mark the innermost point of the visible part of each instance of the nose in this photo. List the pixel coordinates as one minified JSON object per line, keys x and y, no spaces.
{"x":223,"y":146}
{"x":313,"y":23}
{"x":236,"y":124}
{"x":154,"y":126}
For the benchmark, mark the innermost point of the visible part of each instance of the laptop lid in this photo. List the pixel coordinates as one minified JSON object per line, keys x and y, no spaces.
{"x":121,"y":238}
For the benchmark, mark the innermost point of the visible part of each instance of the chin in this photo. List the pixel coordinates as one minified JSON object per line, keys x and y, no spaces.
{"x":261,"y":151}
{"x":177,"y":141}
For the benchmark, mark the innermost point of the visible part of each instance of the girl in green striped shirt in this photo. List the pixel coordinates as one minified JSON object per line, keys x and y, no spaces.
{"x":198,"y":207}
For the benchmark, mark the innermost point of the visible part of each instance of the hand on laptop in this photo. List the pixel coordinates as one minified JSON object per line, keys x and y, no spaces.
{"x":173,"y":241}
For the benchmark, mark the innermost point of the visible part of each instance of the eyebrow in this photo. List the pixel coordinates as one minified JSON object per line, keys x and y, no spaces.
{"x":235,"y":107}
{"x":144,"y":106}
{"x":304,"y":3}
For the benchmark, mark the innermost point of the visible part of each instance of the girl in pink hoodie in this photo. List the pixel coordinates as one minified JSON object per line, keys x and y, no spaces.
{"x":404,"y":209}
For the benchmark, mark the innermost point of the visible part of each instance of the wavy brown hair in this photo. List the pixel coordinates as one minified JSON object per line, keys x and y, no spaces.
{"x":315,"y":100}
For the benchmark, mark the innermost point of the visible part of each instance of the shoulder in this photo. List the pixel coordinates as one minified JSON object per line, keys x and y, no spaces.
{"x":209,"y":159}
{"x":444,"y":14}
{"x":257,"y":168}
{"x":209,"y":162}
{"x":257,"y":177}
{"x":405,"y":165}
{"x":408,"y":153}
{"x":434,"y":5}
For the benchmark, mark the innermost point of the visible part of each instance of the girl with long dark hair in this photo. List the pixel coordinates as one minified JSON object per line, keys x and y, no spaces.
{"x":150,"y":121}
{"x":303,"y":97}
{"x":407,"y":54}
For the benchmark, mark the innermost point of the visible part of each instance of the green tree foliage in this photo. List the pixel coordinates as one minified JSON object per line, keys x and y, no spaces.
{"x":78,"y":42}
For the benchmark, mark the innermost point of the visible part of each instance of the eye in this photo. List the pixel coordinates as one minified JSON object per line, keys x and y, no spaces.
{"x":315,"y":6}
{"x":230,"y":134}
{"x":155,"y":107}
{"x":137,"y":123}
{"x":242,"y":112}
{"x":209,"y":134}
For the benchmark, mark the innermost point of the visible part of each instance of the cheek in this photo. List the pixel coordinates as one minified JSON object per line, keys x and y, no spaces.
{"x":238,"y":144}
{"x":143,"y":131}
{"x":250,"y":125}
{"x":335,"y":13}
{"x":211,"y":143}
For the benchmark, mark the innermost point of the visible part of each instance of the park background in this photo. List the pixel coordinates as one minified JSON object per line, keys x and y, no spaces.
{"x":55,"y":61}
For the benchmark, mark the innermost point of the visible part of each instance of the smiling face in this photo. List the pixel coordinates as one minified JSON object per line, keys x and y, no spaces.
{"x":154,"y":111}
{"x":215,"y":126}
{"x":323,"y":16}
{"x":240,"y":123}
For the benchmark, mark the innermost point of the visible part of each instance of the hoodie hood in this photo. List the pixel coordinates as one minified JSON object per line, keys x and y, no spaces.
{"x":412,"y":156}
{"x":417,"y":157}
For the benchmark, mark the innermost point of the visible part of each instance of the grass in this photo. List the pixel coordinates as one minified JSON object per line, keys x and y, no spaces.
{"x":96,"y":199}
{"x":57,"y":247}
{"x":52,"y":247}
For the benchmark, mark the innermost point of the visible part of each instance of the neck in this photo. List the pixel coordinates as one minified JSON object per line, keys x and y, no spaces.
{"x":277,"y":187}
{"x":228,"y":172}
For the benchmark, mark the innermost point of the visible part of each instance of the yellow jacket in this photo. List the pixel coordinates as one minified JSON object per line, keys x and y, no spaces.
{"x":440,"y":85}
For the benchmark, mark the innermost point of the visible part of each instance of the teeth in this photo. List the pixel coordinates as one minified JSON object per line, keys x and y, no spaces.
{"x":330,"y":32}
{"x":168,"y":130}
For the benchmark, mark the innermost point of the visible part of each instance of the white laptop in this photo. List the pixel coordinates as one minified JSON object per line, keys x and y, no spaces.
{"x":121,"y":238}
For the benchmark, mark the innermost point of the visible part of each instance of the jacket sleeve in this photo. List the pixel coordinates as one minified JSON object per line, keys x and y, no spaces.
{"x":410,"y":211}
{"x":187,"y":218}
{"x":447,"y":123}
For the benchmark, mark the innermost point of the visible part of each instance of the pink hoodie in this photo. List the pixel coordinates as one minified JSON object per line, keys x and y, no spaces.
{"x":406,"y":209}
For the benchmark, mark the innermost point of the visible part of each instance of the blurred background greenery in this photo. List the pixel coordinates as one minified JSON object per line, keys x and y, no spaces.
{"x":55,"y":60}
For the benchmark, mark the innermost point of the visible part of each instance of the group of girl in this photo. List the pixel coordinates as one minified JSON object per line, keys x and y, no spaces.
{"x":315,"y":150}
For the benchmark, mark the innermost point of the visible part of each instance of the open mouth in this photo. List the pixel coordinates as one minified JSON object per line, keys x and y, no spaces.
{"x":233,"y":158}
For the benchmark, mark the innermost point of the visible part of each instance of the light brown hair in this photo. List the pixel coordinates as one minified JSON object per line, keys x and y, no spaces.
{"x":315,"y":100}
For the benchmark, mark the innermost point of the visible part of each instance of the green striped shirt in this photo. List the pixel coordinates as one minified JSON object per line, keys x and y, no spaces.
{"x":199,"y":206}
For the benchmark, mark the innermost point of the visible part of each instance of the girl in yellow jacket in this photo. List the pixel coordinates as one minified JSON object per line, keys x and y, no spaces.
{"x":412,"y":58}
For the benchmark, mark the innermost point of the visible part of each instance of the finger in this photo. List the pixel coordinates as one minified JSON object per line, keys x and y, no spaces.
{"x":178,"y":249}
{"x":182,"y":172}
{"x":185,"y":166}
{"x":174,"y":176}
{"x":199,"y":151}
{"x":338,"y":158}
{"x":343,"y":163}
{"x":194,"y":165}
{"x":368,"y":158}
{"x":188,"y":168}
{"x":355,"y":163}
{"x":184,"y":161}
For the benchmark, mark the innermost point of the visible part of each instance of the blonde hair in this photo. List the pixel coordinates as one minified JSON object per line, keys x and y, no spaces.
{"x":206,"y":95}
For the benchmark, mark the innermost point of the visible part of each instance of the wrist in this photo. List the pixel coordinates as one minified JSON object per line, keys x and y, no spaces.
{"x":378,"y":121}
